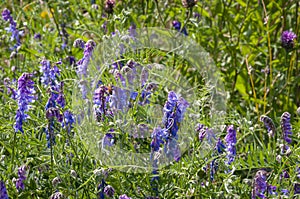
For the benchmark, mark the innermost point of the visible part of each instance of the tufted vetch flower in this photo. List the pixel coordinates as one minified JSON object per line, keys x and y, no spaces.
{"x":25,"y":96}
{"x":287,"y":40}
{"x":230,"y":144}
{"x":286,"y":127}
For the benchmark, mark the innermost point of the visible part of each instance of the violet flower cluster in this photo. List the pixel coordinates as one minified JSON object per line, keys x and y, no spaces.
{"x":286,"y":127}
{"x":287,"y":40}
{"x":205,"y":132}
{"x":56,"y":97}
{"x":105,"y":189}
{"x":69,"y":120}
{"x":109,"y":191}
{"x":49,"y":74}
{"x":174,"y":110}
{"x":124,"y":196}
{"x":3,"y":191}
{"x":52,"y":113}
{"x":177,"y":26}
{"x":109,"y":6}
{"x":82,"y":64}
{"x":25,"y":96}
{"x":218,"y":149}
{"x":230,"y":144}
{"x":189,"y":3}
{"x":260,"y":185}
{"x":269,"y":124}
{"x":101,"y":99}
{"x":15,"y":33}
{"x":21,"y":177}
{"x":10,"y":90}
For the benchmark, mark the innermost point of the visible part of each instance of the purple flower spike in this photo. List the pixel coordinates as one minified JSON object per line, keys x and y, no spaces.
{"x":220,"y":146}
{"x":15,"y":34}
{"x":108,"y":140}
{"x":109,"y":6}
{"x":82,"y":64}
{"x":22,"y":177}
{"x":230,"y":144}
{"x":297,"y":188}
{"x":109,"y":191}
{"x":49,"y":74}
{"x":69,"y":120}
{"x":6,"y":15}
{"x":124,"y":196}
{"x":286,"y":127}
{"x":3,"y":191}
{"x":177,"y":26}
{"x":287,"y":40}
{"x":260,"y":184}
{"x":157,"y":136}
{"x":268,"y":124}
{"x":25,"y":96}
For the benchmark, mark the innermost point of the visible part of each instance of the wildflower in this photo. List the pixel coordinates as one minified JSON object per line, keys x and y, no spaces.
{"x":177,"y":26}
{"x":52,"y":113}
{"x":48,"y":74}
{"x":189,"y":3}
{"x":24,"y":97}
{"x":69,"y":120}
{"x":172,"y":149}
{"x":230,"y":144}
{"x":268,"y":124}
{"x":285,"y":192}
{"x":284,"y":174}
{"x":71,"y":60}
{"x":197,"y":16}
{"x":109,"y":6}
{"x":287,"y":40}
{"x":56,"y":97}
{"x":220,"y":146}
{"x":101,"y":99}
{"x":132,"y":30}
{"x":15,"y":34}
{"x":124,"y":196}
{"x":21,"y":177}
{"x":174,"y":110}
{"x":82,"y":64}
{"x":95,"y":6}
{"x":10,"y":90}
{"x":297,"y":188}
{"x":37,"y":36}
{"x":272,"y":190}
{"x":109,"y":191}
{"x":213,"y":168}
{"x":157,"y":136}
{"x":56,"y":181}
{"x":104,"y":26}
{"x":79,"y":43}
{"x":3,"y":191}
{"x":107,"y":140}
{"x":101,"y":189}
{"x":286,"y":127}
{"x":57,"y":195}
{"x":260,"y":184}
{"x":202,"y":131}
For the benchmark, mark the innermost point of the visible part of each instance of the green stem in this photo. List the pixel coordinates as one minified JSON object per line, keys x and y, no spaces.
{"x":13,"y":150}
